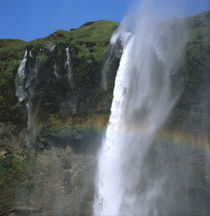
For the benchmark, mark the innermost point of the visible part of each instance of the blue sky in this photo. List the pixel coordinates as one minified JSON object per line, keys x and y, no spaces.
{"x":31,"y":19}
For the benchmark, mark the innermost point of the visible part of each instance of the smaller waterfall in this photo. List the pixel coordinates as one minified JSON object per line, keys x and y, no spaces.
{"x":68,"y":65}
{"x":19,"y":79}
{"x":52,"y":47}
{"x":30,"y":54}
{"x":32,"y":107}
{"x":106,"y":68}
{"x":55,"y":70}
{"x":25,"y":89}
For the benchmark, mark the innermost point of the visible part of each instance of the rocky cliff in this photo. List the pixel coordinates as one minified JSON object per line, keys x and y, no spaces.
{"x":63,"y":79}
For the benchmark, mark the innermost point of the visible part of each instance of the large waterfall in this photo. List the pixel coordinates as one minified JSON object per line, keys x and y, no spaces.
{"x":110,"y":187}
{"x":138,"y":175}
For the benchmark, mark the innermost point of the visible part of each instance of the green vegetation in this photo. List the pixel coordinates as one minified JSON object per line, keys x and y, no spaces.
{"x":53,"y":176}
{"x":12,"y":173}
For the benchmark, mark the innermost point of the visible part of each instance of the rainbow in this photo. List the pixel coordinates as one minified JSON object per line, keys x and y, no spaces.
{"x":171,"y":137}
{"x":186,"y":140}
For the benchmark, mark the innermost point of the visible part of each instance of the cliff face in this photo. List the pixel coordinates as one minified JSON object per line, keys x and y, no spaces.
{"x":62,"y":82}
{"x":86,"y":47}
{"x":65,"y":97}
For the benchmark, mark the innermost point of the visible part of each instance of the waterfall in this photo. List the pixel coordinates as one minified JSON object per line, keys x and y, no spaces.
{"x":52,"y":48}
{"x":25,"y":90}
{"x":68,"y":65}
{"x":109,"y":182}
{"x":142,"y":100}
{"x":32,"y":107}
{"x":55,"y":70}
{"x":19,"y":79}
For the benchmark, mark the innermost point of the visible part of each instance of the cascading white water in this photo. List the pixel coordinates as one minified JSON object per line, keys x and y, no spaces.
{"x":55,"y":70}
{"x":68,"y":65}
{"x":26,"y":84}
{"x":110,"y":187}
{"x":142,"y":100}
{"x":32,"y":108}
{"x":52,"y":48}
{"x":19,"y":79}
{"x":25,"y":89}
